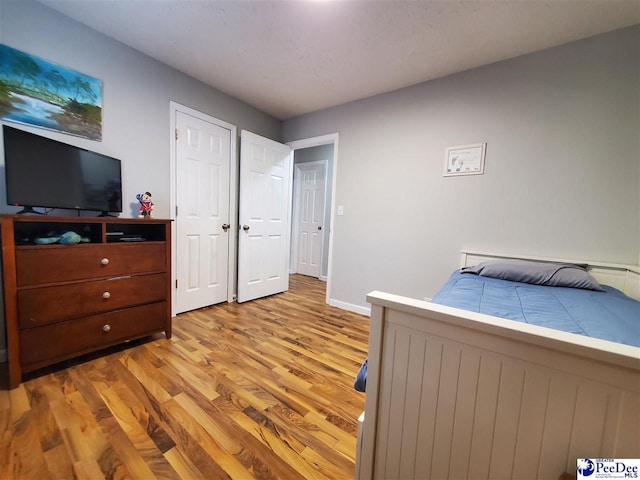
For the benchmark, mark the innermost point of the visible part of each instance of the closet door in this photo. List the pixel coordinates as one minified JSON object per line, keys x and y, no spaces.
{"x":265,"y":217}
{"x":203,"y":157}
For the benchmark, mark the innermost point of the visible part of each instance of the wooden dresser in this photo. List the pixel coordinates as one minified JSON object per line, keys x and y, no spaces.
{"x":61,"y":301}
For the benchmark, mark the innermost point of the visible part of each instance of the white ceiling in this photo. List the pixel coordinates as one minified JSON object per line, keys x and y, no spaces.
{"x":293,"y":57}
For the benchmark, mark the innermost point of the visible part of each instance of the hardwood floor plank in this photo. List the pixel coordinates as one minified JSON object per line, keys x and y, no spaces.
{"x":147,"y":437}
{"x":29,"y":461}
{"x":125,"y":448}
{"x":40,"y":393}
{"x":336,"y":432}
{"x":258,"y":386}
{"x":151,"y":365}
{"x":149,"y":382}
{"x":101,"y":452}
{"x":201,"y":448}
{"x":308,"y":433}
{"x":259,"y":390}
{"x":87,"y":470}
{"x":185,"y":370}
{"x":259,"y":460}
{"x":280,"y":442}
{"x":140,"y":409}
{"x":19,"y":403}
{"x":301,"y":397}
{"x":182,"y":464}
{"x":59,"y":464}
{"x":129,"y":449}
{"x":6,"y":436}
{"x":331,"y":470}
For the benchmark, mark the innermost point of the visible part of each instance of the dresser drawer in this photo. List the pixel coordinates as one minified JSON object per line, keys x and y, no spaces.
{"x":44,"y":305}
{"x":53,"y":343}
{"x":54,"y":264}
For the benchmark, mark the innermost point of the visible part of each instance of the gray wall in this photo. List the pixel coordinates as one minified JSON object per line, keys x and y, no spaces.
{"x":313,"y":154}
{"x":136,"y":96}
{"x":561,"y":178}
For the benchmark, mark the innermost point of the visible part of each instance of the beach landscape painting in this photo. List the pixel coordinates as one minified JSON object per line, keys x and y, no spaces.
{"x":42,"y":94}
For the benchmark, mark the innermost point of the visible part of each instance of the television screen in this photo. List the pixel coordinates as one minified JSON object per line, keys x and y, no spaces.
{"x":41,"y":172}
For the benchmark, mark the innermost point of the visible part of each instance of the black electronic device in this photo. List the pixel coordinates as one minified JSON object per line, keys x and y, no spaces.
{"x":41,"y":172}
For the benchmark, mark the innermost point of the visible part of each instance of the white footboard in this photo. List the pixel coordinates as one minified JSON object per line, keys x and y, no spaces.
{"x":455,"y":394}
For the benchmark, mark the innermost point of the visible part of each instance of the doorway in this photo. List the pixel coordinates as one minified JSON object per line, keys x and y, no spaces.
{"x":309,"y":225}
{"x":300,"y":148}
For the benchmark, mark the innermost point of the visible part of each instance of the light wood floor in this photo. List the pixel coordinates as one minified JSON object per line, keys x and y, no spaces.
{"x":259,"y":390}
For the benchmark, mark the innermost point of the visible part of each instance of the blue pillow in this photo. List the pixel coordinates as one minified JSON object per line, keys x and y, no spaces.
{"x":360,"y":383}
{"x":537,"y":273}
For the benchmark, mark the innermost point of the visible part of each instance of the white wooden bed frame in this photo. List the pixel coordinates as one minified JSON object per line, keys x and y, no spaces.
{"x":457,"y":394}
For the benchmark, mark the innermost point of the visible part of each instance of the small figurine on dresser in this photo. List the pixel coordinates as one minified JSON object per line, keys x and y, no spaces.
{"x":146,"y":205}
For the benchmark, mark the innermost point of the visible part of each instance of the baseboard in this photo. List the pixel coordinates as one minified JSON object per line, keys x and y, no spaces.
{"x":3,"y":355}
{"x":351,"y":307}
{"x":323,"y":278}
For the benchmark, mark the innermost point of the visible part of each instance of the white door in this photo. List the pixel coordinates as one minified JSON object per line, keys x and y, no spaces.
{"x":310,"y":201}
{"x":265,"y":217}
{"x":203,"y":156}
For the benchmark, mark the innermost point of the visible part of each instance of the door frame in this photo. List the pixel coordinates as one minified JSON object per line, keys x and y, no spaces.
{"x":329,"y":139}
{"x":295,"y":221}
{"x":175,"y":107}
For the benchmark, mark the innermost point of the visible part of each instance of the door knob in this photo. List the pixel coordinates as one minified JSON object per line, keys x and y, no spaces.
{"x":320,"y":228}
{"x":246,"y":228}
{"x":225,"y":226}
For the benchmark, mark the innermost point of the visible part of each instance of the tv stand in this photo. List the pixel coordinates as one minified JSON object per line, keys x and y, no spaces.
{"x":106,"y":214}
{"x":26,"y":210}
{"x":63,"y":301}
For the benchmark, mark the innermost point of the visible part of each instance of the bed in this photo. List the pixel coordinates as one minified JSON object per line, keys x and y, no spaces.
{"x":453,"y":393}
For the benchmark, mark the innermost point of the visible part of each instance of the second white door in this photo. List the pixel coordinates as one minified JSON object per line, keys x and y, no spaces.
{"x":265,"y":217}
{"x":309,"y":222}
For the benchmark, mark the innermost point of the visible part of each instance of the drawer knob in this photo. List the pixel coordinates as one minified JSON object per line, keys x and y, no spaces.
{"x":106,"y":328}
{"x":106,"y":295}
{"x":104,"y":261}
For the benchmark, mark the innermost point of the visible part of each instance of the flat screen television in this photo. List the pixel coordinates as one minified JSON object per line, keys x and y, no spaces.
{"x":41,"y":172}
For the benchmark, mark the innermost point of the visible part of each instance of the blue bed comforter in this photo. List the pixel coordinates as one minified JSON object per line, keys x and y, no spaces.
{"x":608,"y":315}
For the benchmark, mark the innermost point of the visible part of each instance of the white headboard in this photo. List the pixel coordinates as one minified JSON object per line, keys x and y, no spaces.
{"x":623,"y":277}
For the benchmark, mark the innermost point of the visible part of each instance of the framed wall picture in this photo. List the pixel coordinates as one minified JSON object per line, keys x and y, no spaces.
{"x":465,"y":160}
{"x":42,"y":94}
